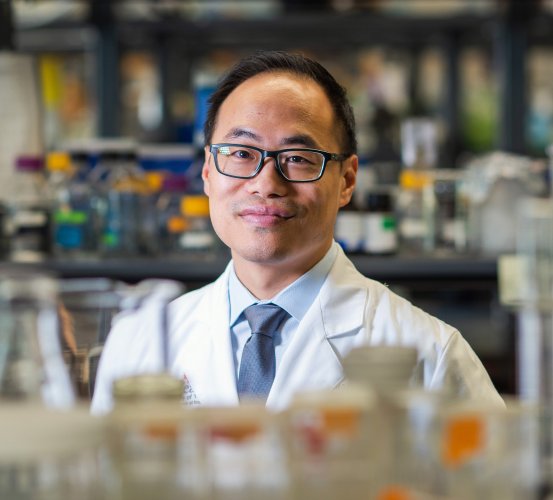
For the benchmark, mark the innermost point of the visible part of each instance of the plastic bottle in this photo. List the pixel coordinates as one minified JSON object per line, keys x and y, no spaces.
{"x":29,"y":210}
{"x":73,"y":220}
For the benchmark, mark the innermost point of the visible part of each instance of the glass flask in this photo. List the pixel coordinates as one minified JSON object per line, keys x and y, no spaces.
{"x":31,"y":362}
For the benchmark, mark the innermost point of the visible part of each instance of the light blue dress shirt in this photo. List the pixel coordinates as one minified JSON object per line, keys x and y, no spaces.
{"x":295,"y":299}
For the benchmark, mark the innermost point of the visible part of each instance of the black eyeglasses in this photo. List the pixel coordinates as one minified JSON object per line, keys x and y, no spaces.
{"x":295,"y":165}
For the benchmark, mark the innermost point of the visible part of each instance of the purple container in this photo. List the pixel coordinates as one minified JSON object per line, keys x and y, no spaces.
{"x":175,"y":184}
{"x":29,"y":163}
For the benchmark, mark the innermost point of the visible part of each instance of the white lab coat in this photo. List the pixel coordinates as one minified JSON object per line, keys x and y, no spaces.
{"x":350,"y":310}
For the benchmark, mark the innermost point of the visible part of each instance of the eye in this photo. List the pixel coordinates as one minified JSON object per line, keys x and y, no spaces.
{"x":297,"y":159}
{"x":243,"y":154}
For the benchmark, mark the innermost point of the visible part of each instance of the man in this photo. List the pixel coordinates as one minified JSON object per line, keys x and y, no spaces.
{"x":279,"y":162}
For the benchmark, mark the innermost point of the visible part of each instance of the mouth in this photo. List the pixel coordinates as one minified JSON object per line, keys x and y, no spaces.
{"x":265,"y":216}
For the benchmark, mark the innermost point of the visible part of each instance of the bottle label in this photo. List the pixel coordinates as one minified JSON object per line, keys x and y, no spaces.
{"x":69,"y":228}
{"x":197,"y":240}
{"x":30,"y":218}
{"x":75,"y":217}
{"x":380,"y":233}
{"x":348,"y":230}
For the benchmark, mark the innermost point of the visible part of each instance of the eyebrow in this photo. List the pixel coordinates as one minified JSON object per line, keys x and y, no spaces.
{"x":237,"y":133}
{"x":303,"y":139}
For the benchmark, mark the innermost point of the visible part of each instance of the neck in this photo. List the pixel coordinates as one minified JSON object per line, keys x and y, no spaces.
{"x":264,"y":280}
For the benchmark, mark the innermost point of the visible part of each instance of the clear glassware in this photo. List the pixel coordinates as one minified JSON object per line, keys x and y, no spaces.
{"x":154,"y":445}
{"x":333,"y":449}
{"x":31,"y":362}
{"x":244,"y":454}
{"x":443,"y":217}
{"x":49,"y":454}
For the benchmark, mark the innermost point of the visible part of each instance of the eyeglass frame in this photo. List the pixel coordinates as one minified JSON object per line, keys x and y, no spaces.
{"x":214,"y":150}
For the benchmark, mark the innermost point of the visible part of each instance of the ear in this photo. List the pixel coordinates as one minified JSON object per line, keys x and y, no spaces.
{"x":347,"y":179}
{"x":205,"y":170}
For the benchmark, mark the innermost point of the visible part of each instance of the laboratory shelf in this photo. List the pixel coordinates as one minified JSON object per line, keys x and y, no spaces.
{"x":413,"y":270}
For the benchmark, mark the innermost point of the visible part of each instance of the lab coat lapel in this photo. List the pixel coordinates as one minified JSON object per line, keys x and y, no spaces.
{"x":310,"y":361}
{"x":210,"y":369}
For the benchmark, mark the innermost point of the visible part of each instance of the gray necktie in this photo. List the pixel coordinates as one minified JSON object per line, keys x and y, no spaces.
{"x":257,"y":367}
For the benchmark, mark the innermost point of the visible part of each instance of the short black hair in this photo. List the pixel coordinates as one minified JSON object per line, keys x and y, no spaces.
{"x":273,"y":61}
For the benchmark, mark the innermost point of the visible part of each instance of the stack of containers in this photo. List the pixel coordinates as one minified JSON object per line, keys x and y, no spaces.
{"x":124,"y":200}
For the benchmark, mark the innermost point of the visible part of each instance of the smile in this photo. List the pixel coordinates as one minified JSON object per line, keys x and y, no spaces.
{"x":265,"y":216}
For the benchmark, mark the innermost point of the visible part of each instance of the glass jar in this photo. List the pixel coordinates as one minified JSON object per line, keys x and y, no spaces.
{"x":331,"y":448}
{"x":153,"y":440}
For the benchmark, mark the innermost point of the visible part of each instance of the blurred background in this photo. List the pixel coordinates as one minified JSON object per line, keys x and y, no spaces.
{"x":137,"y":68}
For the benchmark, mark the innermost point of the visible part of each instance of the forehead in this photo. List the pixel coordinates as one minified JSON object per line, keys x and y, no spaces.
{"x":279,"y":99}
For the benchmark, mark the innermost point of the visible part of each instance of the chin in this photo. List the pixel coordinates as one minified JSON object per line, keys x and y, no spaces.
{"x":264,"y":253}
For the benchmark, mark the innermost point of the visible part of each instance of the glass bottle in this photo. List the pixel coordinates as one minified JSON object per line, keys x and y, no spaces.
{"x":419,"y":156}
{"x":380,"y":231}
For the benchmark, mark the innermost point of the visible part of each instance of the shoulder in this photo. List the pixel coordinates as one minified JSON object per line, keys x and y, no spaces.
{"x":388,"y":317}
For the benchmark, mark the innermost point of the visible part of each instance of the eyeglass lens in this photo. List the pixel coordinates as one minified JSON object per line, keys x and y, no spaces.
{"x":296,"y":165}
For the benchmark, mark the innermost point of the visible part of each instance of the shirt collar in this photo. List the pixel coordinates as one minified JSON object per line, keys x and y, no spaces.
{"x":296,"y":298}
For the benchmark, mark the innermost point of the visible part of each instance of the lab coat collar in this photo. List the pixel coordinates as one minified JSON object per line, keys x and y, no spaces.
{"x":343,"y":297}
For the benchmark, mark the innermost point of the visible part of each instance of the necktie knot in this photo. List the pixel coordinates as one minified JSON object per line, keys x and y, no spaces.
{"x":264,"y":318}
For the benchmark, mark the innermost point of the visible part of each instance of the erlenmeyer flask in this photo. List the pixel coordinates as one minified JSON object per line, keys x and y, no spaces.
{"x":31,"y":362}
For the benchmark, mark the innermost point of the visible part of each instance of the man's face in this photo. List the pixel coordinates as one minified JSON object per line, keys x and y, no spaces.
{"x":267,"y":219}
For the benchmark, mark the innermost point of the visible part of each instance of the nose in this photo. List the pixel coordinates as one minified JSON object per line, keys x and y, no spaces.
{"x":268,"y":182}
